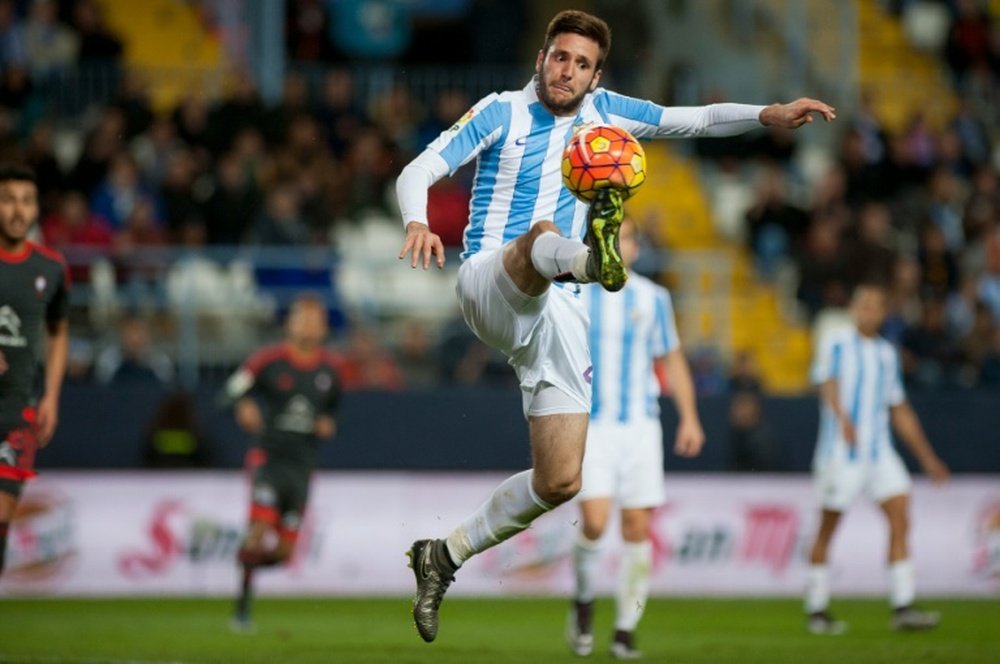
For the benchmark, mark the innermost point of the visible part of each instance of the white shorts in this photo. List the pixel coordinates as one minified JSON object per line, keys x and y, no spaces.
{"x":838,"y":482}
{"x":624,"y":462}
{"x":544,"y":337}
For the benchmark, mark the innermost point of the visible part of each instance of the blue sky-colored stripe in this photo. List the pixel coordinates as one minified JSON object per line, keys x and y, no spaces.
{"x":529,"y":176}
{"x":856,"y":399}
{"x":594,"y":338}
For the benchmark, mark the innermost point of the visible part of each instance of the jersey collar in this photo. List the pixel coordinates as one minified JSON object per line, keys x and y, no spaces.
{"x":18,"y":256}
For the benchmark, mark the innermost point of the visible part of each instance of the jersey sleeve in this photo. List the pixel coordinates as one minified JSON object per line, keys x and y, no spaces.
{"x":644,"y":119}
{"x":244,"y":380}
{"x":826,"y":363}
{"x":664,"y":338}
{"x":479,"y":128}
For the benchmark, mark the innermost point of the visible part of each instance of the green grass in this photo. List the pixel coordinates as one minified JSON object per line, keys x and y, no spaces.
{"x":380,"y":630}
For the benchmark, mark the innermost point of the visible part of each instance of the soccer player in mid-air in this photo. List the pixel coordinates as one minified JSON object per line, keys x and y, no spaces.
{"x":632,"y":336}
{"x":286,"y":396}
{"x":861,"y":394}
{"x":524,"y":237}
{"x":34,"y":304}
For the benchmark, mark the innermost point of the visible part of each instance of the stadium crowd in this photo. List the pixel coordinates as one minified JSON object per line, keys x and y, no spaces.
{"x":919,"y":209}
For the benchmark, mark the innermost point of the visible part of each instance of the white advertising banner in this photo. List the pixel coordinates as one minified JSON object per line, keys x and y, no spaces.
{"x":177,"y":534}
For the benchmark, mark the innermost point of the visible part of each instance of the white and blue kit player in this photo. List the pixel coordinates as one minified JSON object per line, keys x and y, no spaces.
{"x":861,"y":395}
{"x":632,"y":338}
{"x":524,"y":233}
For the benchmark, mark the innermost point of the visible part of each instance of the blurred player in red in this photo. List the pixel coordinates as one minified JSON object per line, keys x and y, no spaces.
{"x":285,"y":396}
{"x":34,"y":305}
{"x":861,"y":395}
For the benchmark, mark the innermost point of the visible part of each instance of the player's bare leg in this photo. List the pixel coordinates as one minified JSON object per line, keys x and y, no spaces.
{"x":817,"y":603}
{"x":557,"y":443}
{"x":8,"y":503}
{"x":595,"y":514}
{"x":902,"y":581}
{"x":632,"y":592}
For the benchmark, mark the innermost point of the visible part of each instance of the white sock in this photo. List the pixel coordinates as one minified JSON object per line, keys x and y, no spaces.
{"x":902,"y":583}
{"x":511,"y":509}
{"x":554,"y":255}
{"x":817,"y":588}
{"x":633,"y":584}
{"x":586,"y":556}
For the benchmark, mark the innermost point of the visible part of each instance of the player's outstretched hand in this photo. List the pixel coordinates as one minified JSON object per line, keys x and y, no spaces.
{"x":937,"y":470}
{"x":424,"y":244}
{"x":797,"y":113}
{"x":325,"y":426}
{"x":690,"y":438}
{"x":3,"y":364}
{"x":847,"y":428}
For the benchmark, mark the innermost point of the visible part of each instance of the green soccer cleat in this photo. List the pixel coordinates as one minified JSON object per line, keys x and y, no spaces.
{"x":604,"y":221}
{"x":434,"y":573}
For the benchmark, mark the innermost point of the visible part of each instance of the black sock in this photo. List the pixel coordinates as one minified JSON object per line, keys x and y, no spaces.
{"x":246,"y":593}
{"x":4,"y":527}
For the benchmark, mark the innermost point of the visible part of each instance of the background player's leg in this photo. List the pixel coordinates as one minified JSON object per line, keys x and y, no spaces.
{"x":595,"y":513}
{"x":632,"y":591}
{"x":902,"y":576}
{"x":818,"y":580}
{"x":251,"y":556}
{"x":8,"y":503}
{"x":557,"y":443}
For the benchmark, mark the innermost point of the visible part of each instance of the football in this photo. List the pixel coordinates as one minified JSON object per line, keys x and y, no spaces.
{"x":602,"y":156}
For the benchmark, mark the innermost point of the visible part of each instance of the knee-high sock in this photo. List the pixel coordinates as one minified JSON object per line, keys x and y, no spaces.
{"x":902,"y":583}
{"x":586,"y":556}
{"x":554,"y":256}
{"x":633,"y":584}
{"x":817,"y":588}
{"x":511,"y":509}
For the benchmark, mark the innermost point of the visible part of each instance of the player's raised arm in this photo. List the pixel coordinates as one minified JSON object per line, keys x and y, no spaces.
{"x":908,"y":427}
{"x":797,"y":113}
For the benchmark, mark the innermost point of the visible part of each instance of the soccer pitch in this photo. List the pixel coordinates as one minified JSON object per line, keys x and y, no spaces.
{"x":530,"y":630}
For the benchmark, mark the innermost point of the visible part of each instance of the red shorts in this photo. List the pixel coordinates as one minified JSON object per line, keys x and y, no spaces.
{"x":18,"y":448}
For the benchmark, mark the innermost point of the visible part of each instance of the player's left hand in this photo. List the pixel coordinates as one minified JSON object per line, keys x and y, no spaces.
{"x":797,"y":113}
{"x":325,"y":427}
{"x":3,"y":364}
{"x":936,"y":470}
{"x":48,"y":417}
{"x":690,"y":438}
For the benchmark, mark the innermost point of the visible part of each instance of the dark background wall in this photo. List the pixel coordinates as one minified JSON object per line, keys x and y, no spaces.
{"x":472,"y":429}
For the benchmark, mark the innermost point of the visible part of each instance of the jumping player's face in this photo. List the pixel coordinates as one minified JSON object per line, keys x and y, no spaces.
{"x":567,"y":72}
{"x":868,"y":309}
{"x":18,"y":212}
{"x":307,"y":326}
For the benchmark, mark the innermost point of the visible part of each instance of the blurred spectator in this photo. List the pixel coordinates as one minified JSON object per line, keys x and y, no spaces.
{"x":337,"y":112}
{"x":40,"y":155}
{"x":938,"y":267}
{"x":241,"y":109}
{"x":179,"y":204}
{"x":823,"y":268}
{"x":367,"y":365}
{"x":449,"y":107}
{"x":51,"y":47}
{"x":96,"y":42}
{"x":234,"y":203}
{"x":307,"y":32}
{"x":775,"y":225}
{"x":973,"y":137}
{"x":13,"y":50}
{"x":191,"y":119}
{"x":990,"y":373}
{"x":945,"y":207}
{"x":872,"y":251}
{"x":132,"y":358}
{"x":397,"y":114}
{"x":968,"y":46}
{"x":989,"y":282}
{"x":752,"y":446}
{"x":73,"y":224}
{"x":175,"y":438}
{"x":294,"y":103}
{"x":417,"y":360}
{"x":281,"y":221}
{"x":117,"y":197}
{"x":152,"y":149}
{"x":903,"y":308}
{"x":977,"y":342}
{"x":929,"y":354}
{"x":370,"y":165}
{"x":104,"y":141}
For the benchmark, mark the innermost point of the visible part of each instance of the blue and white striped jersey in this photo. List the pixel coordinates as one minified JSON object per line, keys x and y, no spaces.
{"x":867,"y":373}
{"x":628,"y":329}
{"x":519,"y":146}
